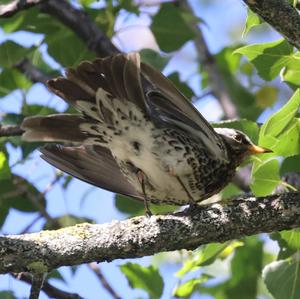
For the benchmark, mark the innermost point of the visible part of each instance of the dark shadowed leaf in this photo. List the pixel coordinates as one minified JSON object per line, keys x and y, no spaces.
{"x":145,"y":278}
{"x":153,"y":58}
{"x":170,"y":28}
{"x":183,"y":87}
{"x":11,"y":79}
{"x":290,"y":164}
{"x":7,"y":295}
{"x":71,"y":55}
{"x":11,"y":53}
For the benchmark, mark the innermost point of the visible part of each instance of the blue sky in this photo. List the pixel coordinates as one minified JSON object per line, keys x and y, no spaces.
{"x":220,"y":18}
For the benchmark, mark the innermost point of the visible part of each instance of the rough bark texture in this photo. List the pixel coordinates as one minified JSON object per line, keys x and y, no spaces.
{"x":141,"y":236}
{"x":281,"y":15}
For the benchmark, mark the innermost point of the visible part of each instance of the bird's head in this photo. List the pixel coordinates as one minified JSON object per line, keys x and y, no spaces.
{"x":240,"y":143}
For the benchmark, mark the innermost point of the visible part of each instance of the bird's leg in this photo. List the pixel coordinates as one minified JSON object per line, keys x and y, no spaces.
{"x":141,"y":178}
{"x":192,"y":203}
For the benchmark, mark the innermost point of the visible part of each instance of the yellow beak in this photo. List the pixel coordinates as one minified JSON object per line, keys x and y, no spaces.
{"x":254,"y":149}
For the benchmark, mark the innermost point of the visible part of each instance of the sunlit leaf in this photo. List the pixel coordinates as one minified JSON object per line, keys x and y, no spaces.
{"x":265,"y":177}
{"x":282,"y":278}
{"x":283,"y":128}
{"x":4,"y":167}
{"x":187,"y":288}
{"x":203,"y":257}
{"x":252,"y":20}
{"x":268,"y":58}
{"x":292,"y":238}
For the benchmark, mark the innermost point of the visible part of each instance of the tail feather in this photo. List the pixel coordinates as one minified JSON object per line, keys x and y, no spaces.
{"x":56,"y":127}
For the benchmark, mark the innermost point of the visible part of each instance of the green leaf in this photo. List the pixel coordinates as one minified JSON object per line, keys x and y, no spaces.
{"x":268,"y":58}
{"x":32,"y":20}
{"x":19,"y":194}
{"x":183,"y":87}
{"x":35,"y":109}
{"x":186,"y":289}
{"x":283,"y":128}
{"x":265,"y":177}
{"x":290,"y":164}
{"x":291,"y":72}
{"x":252,"y":20}
{"x":244,"y":101}
{"x":207,"y":255}
{"x":292,"y":238}
{"x":154,"y":58}
{"x":11,"y":79}
{"x":145,"y":278}
{"x":282,"y":278}
{"x":75,"y":52}
{"x":285,"y":250}
{"x":250,"y":128}
{"x":11,"y":53}
{"x":7,"y":295}
{"x":129,"y":205}
{"x":266,"y":96}
{"x":170,"y":28}
{"x":4,"y":167}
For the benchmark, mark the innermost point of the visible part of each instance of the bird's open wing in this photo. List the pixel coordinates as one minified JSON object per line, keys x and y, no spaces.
{"x":171,"y":106}
{"x":92,"y":164}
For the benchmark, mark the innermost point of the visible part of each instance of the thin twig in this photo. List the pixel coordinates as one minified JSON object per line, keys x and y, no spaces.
{"x":97,"y":271}
{"x":10,"y":130}
{"x":36,"y":285}
{"x":216,"y":81}
{"x":32,"y":72}
{"x":49,"y":289}
{"x":82,"y":25}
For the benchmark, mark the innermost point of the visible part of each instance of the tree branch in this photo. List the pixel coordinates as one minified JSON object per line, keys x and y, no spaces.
{"x":10,"y":130}
{"x":280,"y":15}
{"x":141,"y":236}
{"x":32,"y":72}
{"x":9,"y":9}
{"x":82,"y":25}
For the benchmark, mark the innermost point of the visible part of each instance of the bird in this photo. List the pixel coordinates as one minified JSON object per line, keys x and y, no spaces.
{"x":136,"y":134}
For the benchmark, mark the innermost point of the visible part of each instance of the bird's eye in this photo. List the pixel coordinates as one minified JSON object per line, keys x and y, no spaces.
{"x":238,"y":138}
